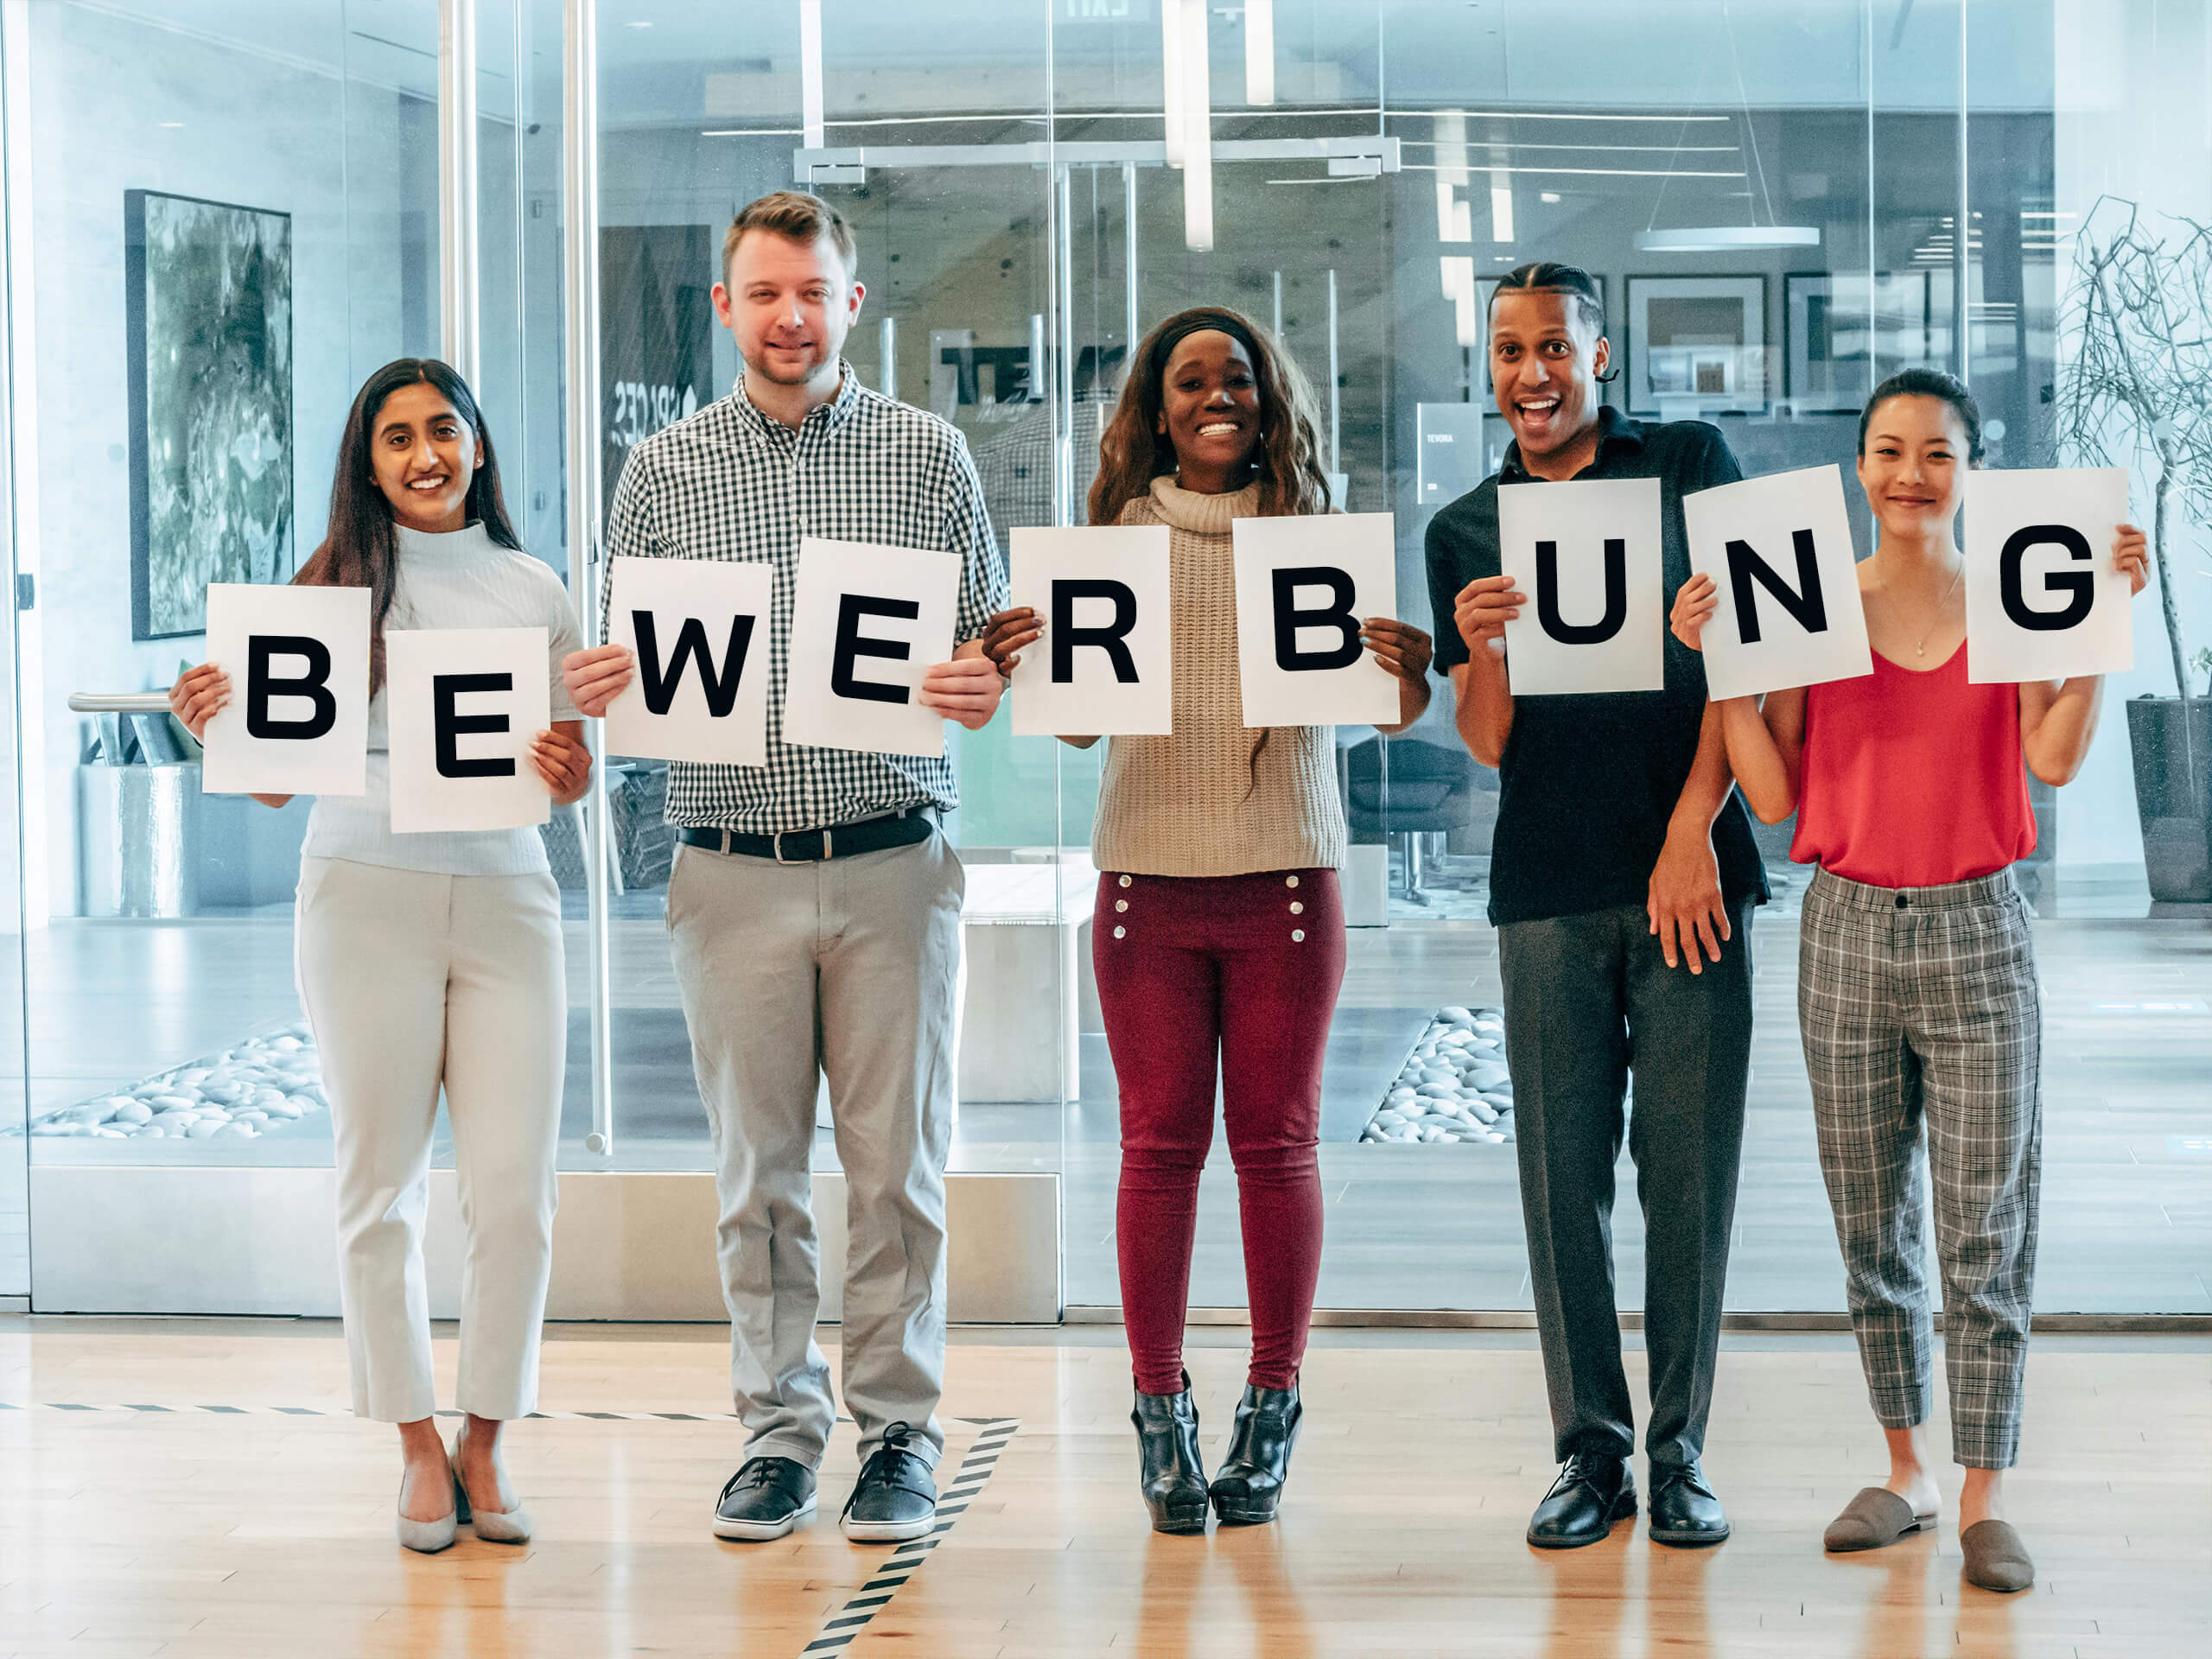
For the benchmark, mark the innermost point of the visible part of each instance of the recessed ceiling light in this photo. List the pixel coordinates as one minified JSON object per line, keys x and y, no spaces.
{"x":1547,"y":195}
{"x":639,"y":22}
{"x":173,"y":124}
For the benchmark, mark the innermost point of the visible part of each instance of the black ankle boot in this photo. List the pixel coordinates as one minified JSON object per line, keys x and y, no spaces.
{"x":1248,"y":1485}
{"x":1170,"y":1474}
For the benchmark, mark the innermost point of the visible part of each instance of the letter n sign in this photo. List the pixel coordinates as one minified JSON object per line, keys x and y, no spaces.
{"x":1778,"y":549}
{"x":298,"y":662}
{"x":2044,"y":600}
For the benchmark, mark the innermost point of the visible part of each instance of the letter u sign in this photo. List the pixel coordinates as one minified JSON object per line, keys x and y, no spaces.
{"x":1587,"y":554}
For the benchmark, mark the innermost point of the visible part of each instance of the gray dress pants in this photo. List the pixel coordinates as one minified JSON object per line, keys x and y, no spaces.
{"x":1589,"y":1000}
{"x":844,"y":969}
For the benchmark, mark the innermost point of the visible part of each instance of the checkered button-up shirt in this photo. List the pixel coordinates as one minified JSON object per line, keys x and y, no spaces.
{"x":730,"y":482}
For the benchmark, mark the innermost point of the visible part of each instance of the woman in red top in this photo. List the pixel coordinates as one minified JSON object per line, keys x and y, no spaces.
{"x":1916,"y":976}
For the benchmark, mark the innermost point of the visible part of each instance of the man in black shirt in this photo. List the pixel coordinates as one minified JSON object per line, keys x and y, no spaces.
{"x":1622,"y":874}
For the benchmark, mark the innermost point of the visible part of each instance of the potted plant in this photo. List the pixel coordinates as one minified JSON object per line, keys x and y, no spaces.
{"x":2138,"y":314}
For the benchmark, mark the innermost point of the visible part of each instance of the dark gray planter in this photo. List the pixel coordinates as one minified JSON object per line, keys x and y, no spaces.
{"x":2173,"y":794}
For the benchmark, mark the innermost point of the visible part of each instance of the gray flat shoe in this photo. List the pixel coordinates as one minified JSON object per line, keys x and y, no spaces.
{"x":1996,"y":1558}
{"x":1875,"y":1519}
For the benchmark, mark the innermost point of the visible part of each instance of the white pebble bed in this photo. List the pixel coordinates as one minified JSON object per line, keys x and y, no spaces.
{"x":1454,"y":1087}
{"x":244,"y":1092}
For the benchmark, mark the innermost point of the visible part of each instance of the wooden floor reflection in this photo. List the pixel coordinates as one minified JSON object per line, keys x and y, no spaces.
{"x":188,"y":1535}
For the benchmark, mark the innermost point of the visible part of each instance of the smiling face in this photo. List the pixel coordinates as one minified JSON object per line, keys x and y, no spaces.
{"x":1209,"y":410}
{"x":1912,"y":465}
{"x":789,"y":304}
{"x":1544,"y":364}
{"x":425,"y":457}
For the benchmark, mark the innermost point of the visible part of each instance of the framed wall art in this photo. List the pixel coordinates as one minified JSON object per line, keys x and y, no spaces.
{"x":209,"y":296}
{"x":1839,"y":334}
{"x":1696,"y":347}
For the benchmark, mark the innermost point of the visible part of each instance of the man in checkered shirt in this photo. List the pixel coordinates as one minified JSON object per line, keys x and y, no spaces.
{"x":814,"y":908}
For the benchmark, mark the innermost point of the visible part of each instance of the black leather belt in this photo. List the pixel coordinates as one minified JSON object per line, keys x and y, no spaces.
{"x":900,"y":828}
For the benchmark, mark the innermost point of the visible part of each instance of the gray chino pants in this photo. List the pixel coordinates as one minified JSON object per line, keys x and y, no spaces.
{"x":1589,"y":1000}
{"x":844,"y":969}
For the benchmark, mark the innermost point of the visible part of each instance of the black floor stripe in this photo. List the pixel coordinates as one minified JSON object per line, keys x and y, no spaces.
{"x":871,"y":1598}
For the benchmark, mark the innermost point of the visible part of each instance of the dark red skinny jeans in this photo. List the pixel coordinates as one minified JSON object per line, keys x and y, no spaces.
{"x":1237,"y":976}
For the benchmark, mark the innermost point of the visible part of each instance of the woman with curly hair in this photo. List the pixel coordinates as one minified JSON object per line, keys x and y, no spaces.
{"x":1219,"y":938}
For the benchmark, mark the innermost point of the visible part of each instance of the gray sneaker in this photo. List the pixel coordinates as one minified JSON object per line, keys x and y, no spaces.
{"x":764,"y":1499}
{"x":895,"y":1499}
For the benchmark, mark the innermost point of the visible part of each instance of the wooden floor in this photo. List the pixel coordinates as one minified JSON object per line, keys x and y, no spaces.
{"x":191,"y":1534}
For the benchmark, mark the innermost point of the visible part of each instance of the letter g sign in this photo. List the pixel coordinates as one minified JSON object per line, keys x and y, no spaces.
{"x":2079,"y":585}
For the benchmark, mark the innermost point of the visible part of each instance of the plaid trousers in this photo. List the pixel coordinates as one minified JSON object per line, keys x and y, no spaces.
{"x":1920,"y":1009}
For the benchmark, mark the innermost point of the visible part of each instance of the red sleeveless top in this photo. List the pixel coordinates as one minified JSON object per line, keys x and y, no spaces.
{"x":1912,"y":781}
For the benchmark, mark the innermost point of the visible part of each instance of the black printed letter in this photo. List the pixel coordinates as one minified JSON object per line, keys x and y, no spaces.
{"x":721,"y":686}
{"x":852,"y":643}
{"x":1111,"y":639}
{"x":2081,"y":584}
{"x":1595,"y":633}
{"x":261,"y":686}
{"x":444,"y":689}
{"x":1336,"y":615}
{"x":1805,"y":602}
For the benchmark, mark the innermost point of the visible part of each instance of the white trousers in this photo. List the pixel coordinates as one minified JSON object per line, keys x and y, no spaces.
{"x":411,"y":979}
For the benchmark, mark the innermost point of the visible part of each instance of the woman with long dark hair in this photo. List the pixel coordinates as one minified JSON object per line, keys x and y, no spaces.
{"x":435,"y":960}
{"x":1916,"y":988}
{"x":1219,"y":933}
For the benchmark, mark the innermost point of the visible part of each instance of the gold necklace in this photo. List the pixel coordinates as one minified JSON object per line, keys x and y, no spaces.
{"x":1921,"y":648}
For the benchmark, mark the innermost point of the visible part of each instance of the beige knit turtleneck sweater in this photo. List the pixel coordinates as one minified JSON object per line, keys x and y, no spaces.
{"x":1195,"y":804}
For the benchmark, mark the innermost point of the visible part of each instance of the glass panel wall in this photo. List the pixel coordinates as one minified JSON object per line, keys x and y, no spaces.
{"x":1783,"y":204}
{"x":701,"y":112}
{"x":226,"y":217}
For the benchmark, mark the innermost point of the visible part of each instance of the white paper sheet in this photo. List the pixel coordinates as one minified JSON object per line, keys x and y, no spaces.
{"x":488,"y":689}
{"x":297,"y":722}
{"x":2038,"y":550}
{"x":1104,"y":666}
{"x":893,"y":609}
{"x":706,"y":670}
{"x":1595,"y":620}
{"x":1780,"y":545}
{"x":1304,"y":585}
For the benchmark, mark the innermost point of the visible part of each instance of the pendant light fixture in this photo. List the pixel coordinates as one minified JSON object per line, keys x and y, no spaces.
{"x":1729,"y":238}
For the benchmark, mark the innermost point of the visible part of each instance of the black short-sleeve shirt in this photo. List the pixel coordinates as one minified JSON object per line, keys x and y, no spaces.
{"x":1587,"y":784}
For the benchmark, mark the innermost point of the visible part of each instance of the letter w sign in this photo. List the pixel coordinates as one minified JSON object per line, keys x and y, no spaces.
{"x":699,"y":630}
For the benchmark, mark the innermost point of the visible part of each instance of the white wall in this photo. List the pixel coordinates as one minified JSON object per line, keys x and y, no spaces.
{"x":257,"y":130}
{"x":2132,"y":121}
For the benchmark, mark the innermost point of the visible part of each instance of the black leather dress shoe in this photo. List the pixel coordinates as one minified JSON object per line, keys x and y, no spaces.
{"x":1684,"y":1512}
{"x":1592,"y":1492}
{"x":1169,"y":1471}
{"x":764,"y":1500}
{"x":1247,"y":1486}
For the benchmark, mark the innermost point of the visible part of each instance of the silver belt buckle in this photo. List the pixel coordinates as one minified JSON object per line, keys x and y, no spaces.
{"x":776,"y":846}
